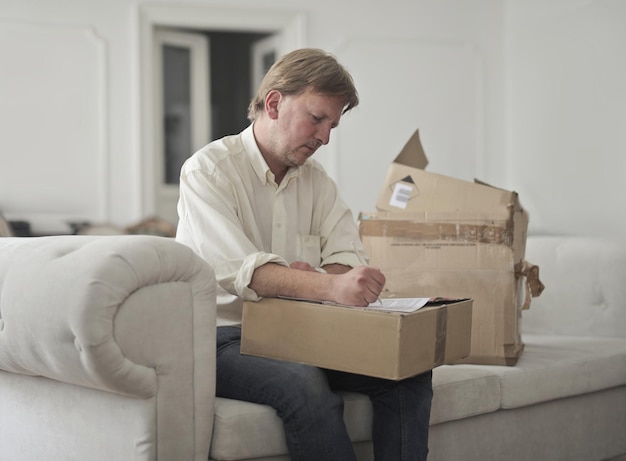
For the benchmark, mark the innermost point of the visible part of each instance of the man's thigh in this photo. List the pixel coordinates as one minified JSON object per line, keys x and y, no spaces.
{"x":259,"y":379}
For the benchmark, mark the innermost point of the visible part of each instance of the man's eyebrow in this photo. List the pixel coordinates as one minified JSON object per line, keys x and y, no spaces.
{"x":325,"y":116}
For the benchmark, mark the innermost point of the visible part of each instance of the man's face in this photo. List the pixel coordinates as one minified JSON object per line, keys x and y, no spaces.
{"x":303,"y":123}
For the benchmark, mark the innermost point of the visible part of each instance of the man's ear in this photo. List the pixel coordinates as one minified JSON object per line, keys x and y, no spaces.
{"x":272,"y":101}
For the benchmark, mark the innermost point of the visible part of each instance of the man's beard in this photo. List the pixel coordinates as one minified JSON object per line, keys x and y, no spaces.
{"x":295,"y":159}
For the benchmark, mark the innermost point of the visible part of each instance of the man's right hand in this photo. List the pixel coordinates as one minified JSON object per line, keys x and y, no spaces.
{"x":358,"y":287}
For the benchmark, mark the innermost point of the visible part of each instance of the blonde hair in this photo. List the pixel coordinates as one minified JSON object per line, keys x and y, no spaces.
{"x":306,"y":68}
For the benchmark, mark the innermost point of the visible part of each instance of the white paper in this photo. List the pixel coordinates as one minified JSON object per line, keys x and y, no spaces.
{"x":385,"y":304}
{"x":399,"y":304}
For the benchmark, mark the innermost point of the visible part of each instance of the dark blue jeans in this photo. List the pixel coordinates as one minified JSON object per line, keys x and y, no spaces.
{"x":312,"y":412}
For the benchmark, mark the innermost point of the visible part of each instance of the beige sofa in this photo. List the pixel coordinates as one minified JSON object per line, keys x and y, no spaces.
{"x":107,"y":347}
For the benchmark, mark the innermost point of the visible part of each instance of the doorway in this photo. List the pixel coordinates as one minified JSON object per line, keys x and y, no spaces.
{"x":203,"y":83}
{"x":198,"y":69}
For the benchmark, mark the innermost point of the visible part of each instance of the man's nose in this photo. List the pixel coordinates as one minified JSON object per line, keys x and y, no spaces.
{"x":323,"y":134}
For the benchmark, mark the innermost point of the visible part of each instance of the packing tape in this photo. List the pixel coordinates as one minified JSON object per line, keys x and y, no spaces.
{"x":440,"y":339}
{"x":534,"y":286}
{"x":448,"y":231}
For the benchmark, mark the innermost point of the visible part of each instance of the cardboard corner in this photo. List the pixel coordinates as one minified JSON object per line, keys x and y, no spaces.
{"x":412,"y":154}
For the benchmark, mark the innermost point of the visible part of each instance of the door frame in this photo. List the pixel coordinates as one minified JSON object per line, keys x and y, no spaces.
{"x":288,"y":24}
{"x":166,"y":195}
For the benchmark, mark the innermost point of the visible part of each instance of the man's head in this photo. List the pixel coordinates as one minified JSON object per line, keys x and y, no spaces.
{"x":302,"y":70}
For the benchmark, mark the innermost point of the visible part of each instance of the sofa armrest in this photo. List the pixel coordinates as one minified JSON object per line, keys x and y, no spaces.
{"x":132,"y":315}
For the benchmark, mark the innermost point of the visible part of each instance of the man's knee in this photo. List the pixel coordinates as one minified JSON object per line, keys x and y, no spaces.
{"x":307,"y":390}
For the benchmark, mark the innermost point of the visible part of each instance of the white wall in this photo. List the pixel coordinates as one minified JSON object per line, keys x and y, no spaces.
{"x":567,"y":113}
{"x":514,"y":92}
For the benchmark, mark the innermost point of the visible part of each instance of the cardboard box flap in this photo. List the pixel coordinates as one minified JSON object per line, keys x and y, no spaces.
{"x":414,"y":190}
{"x":409,"y":188}
{"x":412,"y":154}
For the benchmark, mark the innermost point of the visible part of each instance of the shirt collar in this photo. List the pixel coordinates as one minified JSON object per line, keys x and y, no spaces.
{"x":259,"y":165}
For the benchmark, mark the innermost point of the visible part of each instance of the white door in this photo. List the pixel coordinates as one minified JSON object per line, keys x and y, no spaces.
{"x":182,"y":110}
{"x":264,"y":54}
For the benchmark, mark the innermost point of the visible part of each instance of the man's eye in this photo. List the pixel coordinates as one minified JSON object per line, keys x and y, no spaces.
{"x":316,"y":119}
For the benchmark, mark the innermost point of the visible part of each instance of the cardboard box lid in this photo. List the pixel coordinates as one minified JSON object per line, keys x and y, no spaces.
{"x":408,"y":188}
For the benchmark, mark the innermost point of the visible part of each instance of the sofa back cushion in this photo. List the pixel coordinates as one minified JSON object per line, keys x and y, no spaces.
{"x":585,"y":292}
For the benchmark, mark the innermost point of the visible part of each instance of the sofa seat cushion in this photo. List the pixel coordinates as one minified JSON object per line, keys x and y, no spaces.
{"x":462,"y":391}
{"x":247,"y":430}
{"x":554,"y":366}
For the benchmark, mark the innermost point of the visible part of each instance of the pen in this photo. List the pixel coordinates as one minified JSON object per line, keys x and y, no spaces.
{"x":364,"y":263}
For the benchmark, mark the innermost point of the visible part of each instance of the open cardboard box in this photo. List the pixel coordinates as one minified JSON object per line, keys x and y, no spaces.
{"x":438,"y":234}
{"x":389,"y":345}
{"x":409,"y":188}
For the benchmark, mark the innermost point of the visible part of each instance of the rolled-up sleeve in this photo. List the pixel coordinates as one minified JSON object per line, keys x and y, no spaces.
{"x":209,"y":224}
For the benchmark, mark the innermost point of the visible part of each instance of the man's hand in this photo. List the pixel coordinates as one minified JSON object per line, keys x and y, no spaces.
{"x":358,"y":287}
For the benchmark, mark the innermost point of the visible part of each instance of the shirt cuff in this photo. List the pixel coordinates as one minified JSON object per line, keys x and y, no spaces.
{"x":244,"y":277}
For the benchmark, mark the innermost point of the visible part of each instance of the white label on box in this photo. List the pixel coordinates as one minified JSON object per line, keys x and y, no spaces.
{"x":401,"y":195}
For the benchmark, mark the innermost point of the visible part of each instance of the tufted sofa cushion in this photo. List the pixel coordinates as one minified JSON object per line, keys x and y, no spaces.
{"x":585,"y":287}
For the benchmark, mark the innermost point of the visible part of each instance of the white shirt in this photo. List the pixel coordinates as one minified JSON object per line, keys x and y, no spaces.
{"x":234,"y":215}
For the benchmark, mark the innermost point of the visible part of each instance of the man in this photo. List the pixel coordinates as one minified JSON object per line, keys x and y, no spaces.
{"x":271,"y":223}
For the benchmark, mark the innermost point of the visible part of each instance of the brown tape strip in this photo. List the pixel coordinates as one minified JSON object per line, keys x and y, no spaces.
{"x":455,"y":232}
{"x":534,"y":286}
{"x":440,"y":339}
